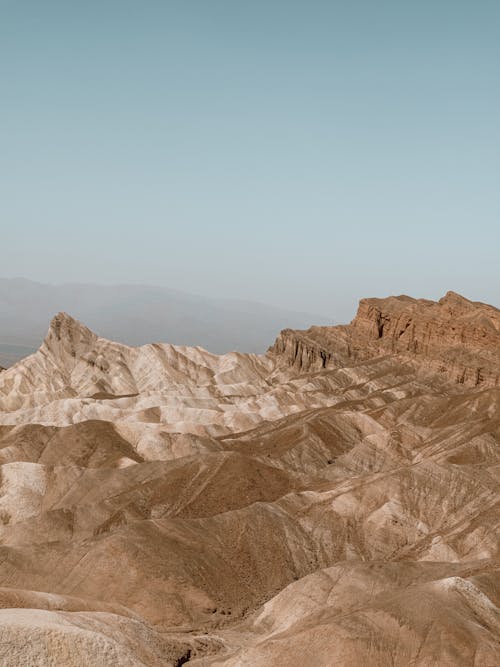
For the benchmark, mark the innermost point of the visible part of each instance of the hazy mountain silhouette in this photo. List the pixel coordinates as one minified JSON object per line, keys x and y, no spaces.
{"x":139,"y":314}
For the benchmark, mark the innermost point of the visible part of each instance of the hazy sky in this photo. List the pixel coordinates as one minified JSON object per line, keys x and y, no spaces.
{"x":298,"y":153}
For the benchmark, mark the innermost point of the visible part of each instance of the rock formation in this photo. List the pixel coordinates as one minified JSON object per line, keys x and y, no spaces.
{"x":454,"y":336}
{"x":334,"y":502}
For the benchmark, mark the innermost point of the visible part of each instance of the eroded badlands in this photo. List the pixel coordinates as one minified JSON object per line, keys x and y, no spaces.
{"x":333,"y":502}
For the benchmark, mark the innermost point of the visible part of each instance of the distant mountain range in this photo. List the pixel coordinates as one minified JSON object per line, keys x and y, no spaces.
{"x":139,"y":314}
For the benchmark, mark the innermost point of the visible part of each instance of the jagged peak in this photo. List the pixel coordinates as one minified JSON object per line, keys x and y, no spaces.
{"x":454,"y":297}
{"x":67,"y":332}
{"x":64,"y":317}
{"x":450,"y":294}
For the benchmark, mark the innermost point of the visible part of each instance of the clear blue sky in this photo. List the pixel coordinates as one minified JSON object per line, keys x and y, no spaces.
{"x":298,"y":153}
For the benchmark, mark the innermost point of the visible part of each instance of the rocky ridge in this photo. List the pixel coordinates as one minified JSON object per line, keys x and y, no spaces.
{"x":454,"y":336}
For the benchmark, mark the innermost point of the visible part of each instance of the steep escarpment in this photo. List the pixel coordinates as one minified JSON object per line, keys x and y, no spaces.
{"x":454,"y":337}
{"x":300,"y":351}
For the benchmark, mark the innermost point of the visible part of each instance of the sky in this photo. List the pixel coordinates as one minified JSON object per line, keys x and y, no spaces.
{"x":298,"y":153}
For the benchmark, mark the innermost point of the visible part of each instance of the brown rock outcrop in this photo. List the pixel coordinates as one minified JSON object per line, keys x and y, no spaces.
{"x":302,"y":352}
{"x":454,"y":337}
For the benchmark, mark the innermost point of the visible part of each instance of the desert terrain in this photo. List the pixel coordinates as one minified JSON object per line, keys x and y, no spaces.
{"x":335,"y":501}
{"x":138,"y":314}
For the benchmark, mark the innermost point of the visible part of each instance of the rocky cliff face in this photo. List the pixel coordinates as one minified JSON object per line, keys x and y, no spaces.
{"x":422,"y":326}
{"x":455,"y":337}
{"x":301,"y":352}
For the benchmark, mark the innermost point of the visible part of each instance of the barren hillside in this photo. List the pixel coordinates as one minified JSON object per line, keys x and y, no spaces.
{"x":333,"y":502}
